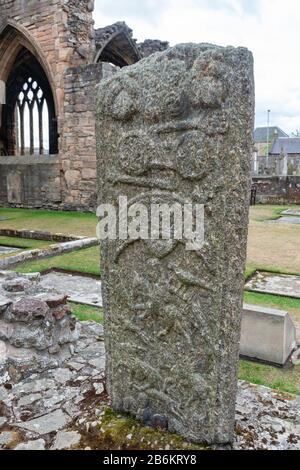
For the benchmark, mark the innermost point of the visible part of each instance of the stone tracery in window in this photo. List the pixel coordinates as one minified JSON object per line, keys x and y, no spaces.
{"x":32,"y":119}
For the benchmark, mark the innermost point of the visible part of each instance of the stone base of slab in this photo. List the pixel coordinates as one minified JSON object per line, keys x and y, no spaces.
{"x":267,"y":335}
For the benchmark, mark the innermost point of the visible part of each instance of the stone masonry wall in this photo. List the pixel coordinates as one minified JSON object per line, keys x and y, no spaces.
{"x":31,"y":182}
{"x":78,"y":141}
{"x":278,"y":190}
{"x":61,"y":33}
{"x":52,"y":25}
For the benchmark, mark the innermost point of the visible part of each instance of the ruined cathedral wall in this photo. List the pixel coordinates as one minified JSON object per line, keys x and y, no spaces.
{"x":67,"y":181}
{"x":61,"y":33}
{"x":31,"y":182}
{"x":78,"y":137}
{"x":64,"y":33}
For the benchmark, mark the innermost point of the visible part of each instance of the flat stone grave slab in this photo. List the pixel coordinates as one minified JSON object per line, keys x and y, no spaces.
{"x":80,"y":289}
{"x":291,"y":212}
{"x":288,"y":220}
{"x":7,"y":250}
{"x":278,"y":284}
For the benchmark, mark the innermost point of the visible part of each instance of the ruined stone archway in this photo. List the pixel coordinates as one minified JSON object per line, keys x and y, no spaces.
{"x":114,"y":44}
{"x":25,"y":84}
{"x":13,"y":37}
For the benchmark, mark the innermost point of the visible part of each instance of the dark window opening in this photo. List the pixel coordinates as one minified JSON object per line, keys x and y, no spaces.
{"x":30,"y":124}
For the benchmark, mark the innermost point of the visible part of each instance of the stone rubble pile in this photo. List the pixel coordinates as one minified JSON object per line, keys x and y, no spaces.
{"x":266,"y":419}
{"x":35,"y":334}
{"x":51,"y":408}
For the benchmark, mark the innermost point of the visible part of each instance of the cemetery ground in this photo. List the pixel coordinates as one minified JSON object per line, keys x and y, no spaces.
{"x":272,"y":247}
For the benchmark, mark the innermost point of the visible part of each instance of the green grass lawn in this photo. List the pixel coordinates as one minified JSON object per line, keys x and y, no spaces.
{"x":273,"y":301}
{"x":85,"y":312}
{"x":284,"y":380}
{"x":86,"y":261}
{"x":261,"y":213}
{"x":75,"y":223}
{"x":25,"y":243}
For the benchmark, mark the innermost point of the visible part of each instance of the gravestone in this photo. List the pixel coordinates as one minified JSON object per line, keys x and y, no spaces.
{"x":268,"y":334}
{"x":14,"y":187}
{"x":177,"y":126}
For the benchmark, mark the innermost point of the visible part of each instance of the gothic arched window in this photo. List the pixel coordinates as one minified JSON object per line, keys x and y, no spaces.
{"x":29,"y":114}
{"x":32,"y":117}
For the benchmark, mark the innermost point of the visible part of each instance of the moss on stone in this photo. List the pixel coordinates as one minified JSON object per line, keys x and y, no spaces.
{"x":118,"y":431}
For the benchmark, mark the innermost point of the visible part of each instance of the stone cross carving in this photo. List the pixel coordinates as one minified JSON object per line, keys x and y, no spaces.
{"x":177,"y":126}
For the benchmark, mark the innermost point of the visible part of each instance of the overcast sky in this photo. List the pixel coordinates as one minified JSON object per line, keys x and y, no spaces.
{"x":269,"y":28}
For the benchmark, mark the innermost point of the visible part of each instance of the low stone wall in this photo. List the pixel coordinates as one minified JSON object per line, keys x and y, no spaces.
{"x":48,"y":252}
{"x":278,"y":190}
{"x":39,"y":235}
{"x":31,"y":182}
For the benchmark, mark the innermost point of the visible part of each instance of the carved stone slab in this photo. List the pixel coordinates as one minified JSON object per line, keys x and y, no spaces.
{"x":177,"y":126}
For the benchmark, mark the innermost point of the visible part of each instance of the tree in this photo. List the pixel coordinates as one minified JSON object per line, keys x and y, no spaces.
{"x":296,"y":133}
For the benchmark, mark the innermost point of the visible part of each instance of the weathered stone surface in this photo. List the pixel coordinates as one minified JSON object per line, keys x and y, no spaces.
{"x":27,"y":310}
{"x":46,"y":424}
{"x":291,"y":212}
{"x":55,"y":300}
{"x":7,"y":438}
{"x":266,"y":419}
{"x":288,"y":220}
{"x":16,"y":285}
{"x":34,"y":386}
{"x":62,"y":375}
{"x":66,"y":440}
{"x":7,"y":250}
{"x":3,"y":421}
{"x":80,"y":289}
{"x":184,"y":121}
{"x":4,"y":303}
{"x":98,"y":363}
{"x":39,"y":444}
{"x":29,"y":399}
{"x":99,"y":388}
